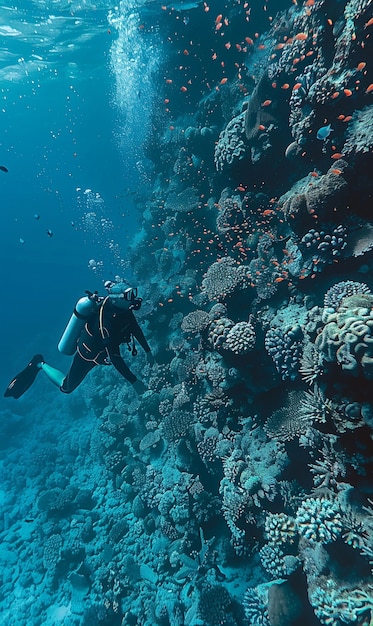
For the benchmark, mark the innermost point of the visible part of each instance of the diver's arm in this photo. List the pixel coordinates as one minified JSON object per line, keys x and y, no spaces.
{"x":139,"y":335}
{"x":120,"y":365}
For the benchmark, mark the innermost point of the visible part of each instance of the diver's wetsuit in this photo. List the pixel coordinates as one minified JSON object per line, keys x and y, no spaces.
{"x":118,"y":326}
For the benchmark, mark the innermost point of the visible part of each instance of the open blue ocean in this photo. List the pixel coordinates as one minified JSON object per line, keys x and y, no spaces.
{"x":214,"y":159}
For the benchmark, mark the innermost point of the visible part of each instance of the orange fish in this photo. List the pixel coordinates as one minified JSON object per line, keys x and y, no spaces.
{"x":228,"y":45}
{"x":223,"y":81}
{"x":249,"y":41}
{"x":314,"y":174}
{"x":266,"y":103}
{"x":240,"y":188}
{"x":268,"y":212}
{"x":218,"y":26}
{"x":300,"y":36}
{"x":369,"y":23}
{"x":261,"y":127}
{"x":335,"y":94}
{"x":279,"y":46}
{"x":261,"y":46}
{"x":279,"y":279}
{"x":285,"y":86}
{"x":337,"y":171}
{"x":168,"y":81}
{"x":361,"y":66}
{"x":297,"y":86}
{"x":337,"y":155}
{"x":218,"y":18}
{"x":340,"y":117}
{"x":347,"y":92}
{"x":370,"y":88}
{"x":309,"y":3}
{"x":348,"y":118}
{"x":186,"y":52}
{"x":183,"y":88}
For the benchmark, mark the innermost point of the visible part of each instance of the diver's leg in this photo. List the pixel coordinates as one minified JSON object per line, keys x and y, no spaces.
{"x":53,"y":374}
{"x":77,"y":372}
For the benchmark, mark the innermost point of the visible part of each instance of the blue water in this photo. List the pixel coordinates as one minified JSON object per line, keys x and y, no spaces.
{"x":63,"y":110}
{"x":174,"y":145}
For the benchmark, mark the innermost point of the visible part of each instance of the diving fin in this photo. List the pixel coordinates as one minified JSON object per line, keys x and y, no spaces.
{"x":20,"y":383}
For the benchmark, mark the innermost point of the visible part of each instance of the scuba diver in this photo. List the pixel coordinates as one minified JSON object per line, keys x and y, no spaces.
{"x":94,"y":333}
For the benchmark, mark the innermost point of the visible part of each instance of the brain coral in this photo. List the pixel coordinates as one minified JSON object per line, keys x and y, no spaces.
{"x":347,"y":337}
{"x":241,"y":338}
{"x":218,"y":332}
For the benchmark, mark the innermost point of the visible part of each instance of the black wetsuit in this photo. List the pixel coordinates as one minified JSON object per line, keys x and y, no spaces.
{"x":93,"y":349}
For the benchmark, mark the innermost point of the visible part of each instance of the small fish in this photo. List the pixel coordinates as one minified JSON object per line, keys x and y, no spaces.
{"x":21,"y":240}
{"x":337,"y":155}
{"x":266,"y":103}
{"x":3,"y":168}
{"x":37,"y":216}
{"x":301,"y":37}
{"x":347,"y":92}
{"x":324,"y":132}
{"x":361,"y":66}
{"x":370,"y":88}
{"x":49,"y":232}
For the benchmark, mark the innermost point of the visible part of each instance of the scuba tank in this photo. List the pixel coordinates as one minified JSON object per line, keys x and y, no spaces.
{"x":83,"y":310}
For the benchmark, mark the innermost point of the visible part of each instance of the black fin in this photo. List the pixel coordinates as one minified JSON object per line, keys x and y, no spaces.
{"x":20,"y":383}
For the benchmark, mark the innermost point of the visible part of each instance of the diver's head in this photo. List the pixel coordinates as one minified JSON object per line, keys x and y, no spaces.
{"x":122,"y":295}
